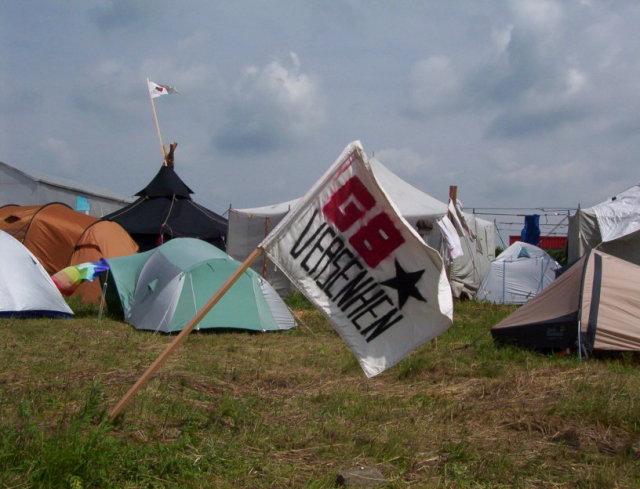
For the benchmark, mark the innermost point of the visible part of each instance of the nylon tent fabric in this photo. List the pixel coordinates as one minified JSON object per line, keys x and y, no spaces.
{"x":50,"y":231}
{"x":165,"y":210}
{"x":519,"y":273}
{"x":599,"y":296}
{"x":26,"y":289}
{"x":627,"y":247}
{"x":615,"y":219}
{"x":610,"y":309}
{"x":59,"y":236}
{"x":163,"y":289}
{"x":249,"y":226}
{"x":30,"y":188}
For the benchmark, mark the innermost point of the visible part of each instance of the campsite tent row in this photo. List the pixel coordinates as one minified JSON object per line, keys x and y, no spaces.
{"x":594,"y":304}
{"x":59,"y":236}
{"x":160,"y":290}
{"x":165,"y":210}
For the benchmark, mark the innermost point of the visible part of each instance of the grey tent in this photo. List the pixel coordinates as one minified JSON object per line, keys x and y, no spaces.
{"x":29,"y":188}
{"x":594,"y":305}
{"x":612,"y":225}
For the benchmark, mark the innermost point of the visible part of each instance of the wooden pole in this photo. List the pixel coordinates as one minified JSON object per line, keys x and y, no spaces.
{"x":453,"y":193}
{"x":128,"y":397}
{"x":155,"y":118}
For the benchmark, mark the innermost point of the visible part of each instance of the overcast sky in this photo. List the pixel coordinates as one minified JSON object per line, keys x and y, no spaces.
{"x":523,"y":103}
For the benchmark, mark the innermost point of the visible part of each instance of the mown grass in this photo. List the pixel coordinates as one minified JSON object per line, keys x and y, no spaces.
{"x":293,"y":409}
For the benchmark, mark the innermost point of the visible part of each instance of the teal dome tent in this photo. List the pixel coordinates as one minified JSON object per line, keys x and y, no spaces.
{"x":163,"y":289}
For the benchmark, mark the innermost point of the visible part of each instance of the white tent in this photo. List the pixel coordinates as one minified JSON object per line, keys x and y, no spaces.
{"x":21,"y":188}
{"x":247,"y":228}
{"x":612,"y":225}
{"x":517,"y":274}
{"x":26,"y":290}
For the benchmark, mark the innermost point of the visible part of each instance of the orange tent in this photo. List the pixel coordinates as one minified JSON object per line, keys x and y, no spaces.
{"x":59,"y":237}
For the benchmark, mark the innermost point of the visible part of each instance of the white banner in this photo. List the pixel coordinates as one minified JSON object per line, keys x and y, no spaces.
{"x":157,"y":90}
{"x":346,"y":247}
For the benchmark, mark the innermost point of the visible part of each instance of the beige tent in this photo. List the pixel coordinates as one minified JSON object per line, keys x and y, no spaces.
{"x":599,"y":296}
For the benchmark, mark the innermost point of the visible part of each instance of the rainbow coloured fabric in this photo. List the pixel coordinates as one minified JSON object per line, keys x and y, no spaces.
{"x":69,"y":278}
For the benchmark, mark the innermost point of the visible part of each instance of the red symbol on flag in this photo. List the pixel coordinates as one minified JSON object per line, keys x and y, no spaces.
{"x":376,"y":239}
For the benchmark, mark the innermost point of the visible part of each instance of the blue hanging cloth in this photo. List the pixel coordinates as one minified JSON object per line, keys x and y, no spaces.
{"x":82,"y":204}
{"x":531,"y":231}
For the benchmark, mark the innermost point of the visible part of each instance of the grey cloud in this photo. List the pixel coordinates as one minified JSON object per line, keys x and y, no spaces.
{"x":22,"y":101}
{"x":122,"y":13}
{"x":250,"y":132}
{"x":271,"y":108}
{"x":519,"y":123}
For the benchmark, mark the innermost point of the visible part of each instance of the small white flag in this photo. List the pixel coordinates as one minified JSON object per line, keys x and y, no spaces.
{"x":346,"y":247}
{"x":156,"y":90}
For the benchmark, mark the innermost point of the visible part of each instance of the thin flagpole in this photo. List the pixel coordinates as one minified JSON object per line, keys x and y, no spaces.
{"x":128,"y":397}
{"x":155,"y":118}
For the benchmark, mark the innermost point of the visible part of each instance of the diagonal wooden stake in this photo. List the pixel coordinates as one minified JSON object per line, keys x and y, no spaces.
{"x":128,"y":397}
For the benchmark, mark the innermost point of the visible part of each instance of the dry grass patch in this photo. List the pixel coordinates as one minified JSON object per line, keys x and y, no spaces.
{"x":292,"y":409}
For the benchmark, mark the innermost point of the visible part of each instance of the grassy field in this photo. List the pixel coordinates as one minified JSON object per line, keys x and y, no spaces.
{"x":293,"y":409}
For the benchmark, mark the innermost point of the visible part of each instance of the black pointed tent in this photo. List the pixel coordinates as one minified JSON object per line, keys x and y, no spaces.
{"x":165,"y":210}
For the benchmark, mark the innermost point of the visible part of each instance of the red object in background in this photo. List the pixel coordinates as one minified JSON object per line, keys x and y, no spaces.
{"x":546,"y":242}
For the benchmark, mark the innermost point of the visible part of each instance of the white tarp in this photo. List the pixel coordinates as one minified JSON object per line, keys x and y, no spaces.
{"x":614,"y":220}
{"x":247,"y":227}
{"x":519,"y":273}
{"x":348,"y":250}
{"x":25,"y":286}
{"x":619,"y":216}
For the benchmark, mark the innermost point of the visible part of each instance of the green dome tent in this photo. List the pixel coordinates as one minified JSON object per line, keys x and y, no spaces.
{"x":163,"y":289}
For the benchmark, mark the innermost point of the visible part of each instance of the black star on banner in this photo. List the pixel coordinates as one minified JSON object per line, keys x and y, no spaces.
{"x":405,"y":283}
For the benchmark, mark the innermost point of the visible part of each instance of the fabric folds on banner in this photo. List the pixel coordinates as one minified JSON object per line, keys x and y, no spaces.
{"x":346,"y":247}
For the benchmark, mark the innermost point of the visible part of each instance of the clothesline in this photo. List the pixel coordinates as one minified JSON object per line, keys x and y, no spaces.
{"x":548,"y":214}
{"x":542,"y":209}
{"x":550,"y":224}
